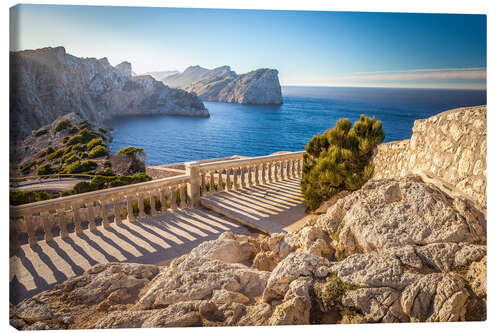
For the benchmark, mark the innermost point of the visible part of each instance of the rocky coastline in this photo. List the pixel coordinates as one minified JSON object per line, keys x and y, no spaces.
{"x":400,"y":249}
{"x":221,"y":84}
{"x":48,"y":83}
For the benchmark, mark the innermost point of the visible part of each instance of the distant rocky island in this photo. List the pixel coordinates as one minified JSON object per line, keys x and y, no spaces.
{"x":221,"y":84}
{"x":48,"y":83}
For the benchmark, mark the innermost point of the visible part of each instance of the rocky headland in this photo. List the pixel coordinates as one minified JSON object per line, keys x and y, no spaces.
{"x":221,"y":84}
{"x":48,"y":83}
{"x":400,"y":249}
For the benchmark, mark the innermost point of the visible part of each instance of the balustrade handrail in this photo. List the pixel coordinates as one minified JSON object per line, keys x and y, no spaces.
{"x":249,"y":160}
{"x":97,"y":195}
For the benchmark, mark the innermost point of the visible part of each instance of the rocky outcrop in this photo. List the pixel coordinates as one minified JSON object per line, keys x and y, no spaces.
{"x":48,"y":83}
{"x":223,"y":85}
{"x":389,"y":213}
{"x":448,"y":149}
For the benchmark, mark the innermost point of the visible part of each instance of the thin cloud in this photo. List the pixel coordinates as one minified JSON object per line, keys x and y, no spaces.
{"x":419,"y":74}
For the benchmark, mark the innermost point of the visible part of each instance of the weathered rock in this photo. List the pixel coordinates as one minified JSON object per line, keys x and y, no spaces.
{"x":256,"y":315}
{"x":293,"y":266}
{"x":390,"y":213}
{"x":476,"y":275}
{"x":296,"y":306}
{"x":444,"y":256}
{"x":435,"y":297}
{"x":211,"y":266}
{"x":377,"y":304}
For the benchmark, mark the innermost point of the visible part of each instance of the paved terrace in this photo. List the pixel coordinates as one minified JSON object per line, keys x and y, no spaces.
{"x":57,"y":239}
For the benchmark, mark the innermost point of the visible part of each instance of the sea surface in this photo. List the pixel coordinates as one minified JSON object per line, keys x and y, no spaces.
{"x":248,"y":130}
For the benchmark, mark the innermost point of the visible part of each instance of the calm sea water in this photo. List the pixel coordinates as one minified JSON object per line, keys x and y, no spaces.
{"x":259,"y":130}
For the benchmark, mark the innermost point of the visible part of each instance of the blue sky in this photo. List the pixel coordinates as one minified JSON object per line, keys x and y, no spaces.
{"x":308,"y":48}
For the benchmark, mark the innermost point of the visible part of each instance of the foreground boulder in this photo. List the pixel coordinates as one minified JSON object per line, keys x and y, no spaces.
{"x":390,"y":213}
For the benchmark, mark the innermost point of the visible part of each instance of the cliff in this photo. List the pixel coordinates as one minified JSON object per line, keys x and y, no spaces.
{"x":221,"y":84}
{"x":48,"y":83}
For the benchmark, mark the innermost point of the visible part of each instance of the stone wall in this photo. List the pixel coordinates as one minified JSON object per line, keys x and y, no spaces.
{"x":448,"y":149}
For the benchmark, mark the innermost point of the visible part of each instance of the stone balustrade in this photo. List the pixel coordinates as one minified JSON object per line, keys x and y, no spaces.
{"x":113,"y":205}
{"x":126,"y":204}
{"x":247,"y":172}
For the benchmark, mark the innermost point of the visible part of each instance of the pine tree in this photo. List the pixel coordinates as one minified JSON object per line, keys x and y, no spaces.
{"x":339,"y":159}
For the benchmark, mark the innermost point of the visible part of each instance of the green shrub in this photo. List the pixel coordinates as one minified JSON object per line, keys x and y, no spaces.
{"x":84,"y":124}
{"x":131,"y":151}
{"x":94,"y":143}
{"x":56,"y":154}
{"x":26,"y":168}
{"x":80,"y":167}
{"x":70,"y":158}
{"x":82,"y":187}
{"x":73,"y":130}
{"x":107,"y":164}
{"x":103,"y":130}
{"x":25,"y":197}
{"x":98,"y":151}
{"x":107,"y":172}
{"x":83,"y":137}
{"x":45,"y":169}
{"x":339,"y":159}
{"x":41,"y":132}
{"x":63,"y":124}
{"x":332,"y":293}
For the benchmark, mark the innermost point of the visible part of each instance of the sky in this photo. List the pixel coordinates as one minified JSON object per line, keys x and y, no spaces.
{"x":308,"y":48}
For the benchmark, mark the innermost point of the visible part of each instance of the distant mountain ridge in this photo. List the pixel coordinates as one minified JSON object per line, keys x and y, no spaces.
{"x":159,"y":76}
{"x":47,"y":83}
{"x":221,"y":84}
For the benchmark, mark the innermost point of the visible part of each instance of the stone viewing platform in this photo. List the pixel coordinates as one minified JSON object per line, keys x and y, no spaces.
{"x":56,"y":239}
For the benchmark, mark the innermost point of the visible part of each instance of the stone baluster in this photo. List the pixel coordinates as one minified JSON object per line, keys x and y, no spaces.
{"x":269,"y":172}
{"x":173,"y":197}
{"x":182,"y":189}
{"x":117,"y":211}
{"x":282,"y":170}
{"x":275,"y":169}
{"x":130,"y":208}
{"x":243,"y":182}
{"x":63,"y":226}
{"x":256,"y":175}
{"x":289,"y":169}
{"x":163,"y":201}
{"x":77,"y":221}
{"x":219,"y":180}
{"x":14,"y":243}
{"x":263,"y":173}
{"x":91,"y":215}
{"x":140,"y":205}
{"x":152,"y":201}
{"x":46,"y":222}
{"x":228,"y":179}
{"x":301,"y":166}
{"x":251,"y":175}
{"x":203,"y":186}
{"x":30,"y":229}
{"x":211,"y":186}
{"x":104,"y":213}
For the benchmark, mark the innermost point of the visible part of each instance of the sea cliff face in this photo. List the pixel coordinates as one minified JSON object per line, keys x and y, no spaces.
{"x":221,"y":84}
{"x":48,"y":83}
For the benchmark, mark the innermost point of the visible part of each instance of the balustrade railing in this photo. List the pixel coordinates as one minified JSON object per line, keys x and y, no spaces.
{"x":122,"y":204}
{"x":246,"y":172}
{"x":114,"y":205}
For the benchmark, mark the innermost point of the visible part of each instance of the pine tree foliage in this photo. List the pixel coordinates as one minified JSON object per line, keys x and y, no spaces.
{"x":339,"y":159}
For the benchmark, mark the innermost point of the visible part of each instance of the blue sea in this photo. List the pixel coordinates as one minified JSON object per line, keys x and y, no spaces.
{"x":248,"y":130}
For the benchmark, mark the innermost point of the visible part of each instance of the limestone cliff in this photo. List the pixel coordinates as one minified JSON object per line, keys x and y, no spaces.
{"x":221,"y":84}
{"x":48,"y":83}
